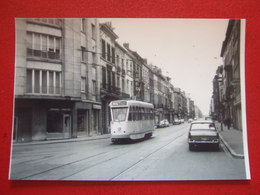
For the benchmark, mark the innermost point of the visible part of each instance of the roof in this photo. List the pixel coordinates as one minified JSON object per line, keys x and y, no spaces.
{"x":202,"y":121}
{"x":134,"y":102}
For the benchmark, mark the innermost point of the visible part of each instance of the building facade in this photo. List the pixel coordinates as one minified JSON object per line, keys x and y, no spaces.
{"x":226,"y":83}
{"x":69,"y":70}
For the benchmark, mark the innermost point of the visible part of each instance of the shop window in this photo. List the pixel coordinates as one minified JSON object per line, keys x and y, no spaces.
{"x":54,"y":121}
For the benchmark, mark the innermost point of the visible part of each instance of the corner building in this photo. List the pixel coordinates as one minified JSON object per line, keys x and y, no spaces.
{"x":57,"y":81}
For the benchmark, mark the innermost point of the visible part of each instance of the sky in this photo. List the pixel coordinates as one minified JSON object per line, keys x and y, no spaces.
{"x":187,"y":50}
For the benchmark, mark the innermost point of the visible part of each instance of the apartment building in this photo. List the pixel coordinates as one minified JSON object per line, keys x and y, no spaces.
{"x":52,"y":81}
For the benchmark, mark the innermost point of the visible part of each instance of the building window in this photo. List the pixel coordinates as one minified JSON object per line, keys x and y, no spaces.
{"x":117,"y":60}
{"x":103,"y":49}
{"x":127,"y":86}
{"x":93,"y":29}
{"x":108,"y":52}
{"x":113,"y":79}
{"x":94,"y":86}
{"x":29,"y":81}
{"x":113,"y":55}
{"x":36,"y":81}
{"x":123,"y":85}
{"x":51,"y":82}
{"x":43,"y":46}
{"x":43,"y":82}
{"x":83,"y":25}
{"x":83,"y":84}
{"x":49,"y":21}
{"x":131,"y":88}
{"x":104,"y":77}
{"x":83,"y":54}
{"x":126,"y":65}
{"x":118,"y":82}
{"x":123,"y":64}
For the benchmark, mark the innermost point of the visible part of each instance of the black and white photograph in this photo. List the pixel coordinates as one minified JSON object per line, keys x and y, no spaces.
{"x":129,"y":99}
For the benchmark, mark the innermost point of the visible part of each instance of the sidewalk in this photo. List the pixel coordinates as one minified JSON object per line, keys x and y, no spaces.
{"x":54,"y":141}
{"x":232,"y":139}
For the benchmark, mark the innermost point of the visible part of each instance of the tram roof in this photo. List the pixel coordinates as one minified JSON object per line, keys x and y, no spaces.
{"x":131,"y":102}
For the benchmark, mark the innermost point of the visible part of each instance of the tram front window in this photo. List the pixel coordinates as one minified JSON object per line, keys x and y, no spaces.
{"x":119,"y":114}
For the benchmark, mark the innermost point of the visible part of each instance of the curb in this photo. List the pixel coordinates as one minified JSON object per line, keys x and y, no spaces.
{"x":232,"y":152}
{"x":61,"y":141}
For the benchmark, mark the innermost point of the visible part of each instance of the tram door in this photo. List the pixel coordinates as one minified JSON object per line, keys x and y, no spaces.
{"x":66,"y":125}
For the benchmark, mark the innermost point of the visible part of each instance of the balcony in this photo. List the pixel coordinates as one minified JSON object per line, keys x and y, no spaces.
{"x":47,"y":55}
{"x":125,"y":95}
{"x":109,"y":89}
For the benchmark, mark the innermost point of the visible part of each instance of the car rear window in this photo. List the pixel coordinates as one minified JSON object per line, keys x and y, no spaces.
{"x":201,"y":126}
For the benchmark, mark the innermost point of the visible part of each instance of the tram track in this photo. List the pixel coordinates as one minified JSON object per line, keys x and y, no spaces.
{"x":108,"y":156}
{"x":125,"y":153}
{"x":147,"y":156}
{"x":56,"y":168}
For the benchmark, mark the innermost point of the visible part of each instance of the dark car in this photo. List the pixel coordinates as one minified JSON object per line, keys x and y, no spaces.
{"x":203,"y":133}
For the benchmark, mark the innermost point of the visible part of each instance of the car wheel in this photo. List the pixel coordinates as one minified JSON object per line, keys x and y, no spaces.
{"x":191,"y":147}
{"x":148,"y":135}
{"x":216,"y":147}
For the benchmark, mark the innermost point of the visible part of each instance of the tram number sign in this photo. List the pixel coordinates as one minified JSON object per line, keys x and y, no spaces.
{"x":119,"y":103}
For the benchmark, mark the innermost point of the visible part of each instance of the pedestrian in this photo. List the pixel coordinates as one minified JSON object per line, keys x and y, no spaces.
{"x":228,"y":122}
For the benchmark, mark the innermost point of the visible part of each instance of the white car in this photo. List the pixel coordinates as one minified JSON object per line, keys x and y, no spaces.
{"x":190,"y":120}
{"x":176,"y":122}
{"x":163,"y":123}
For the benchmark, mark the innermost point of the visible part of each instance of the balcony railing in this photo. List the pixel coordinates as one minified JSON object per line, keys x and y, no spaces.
{"x":43,"y":54}
{"x":125,"y":95}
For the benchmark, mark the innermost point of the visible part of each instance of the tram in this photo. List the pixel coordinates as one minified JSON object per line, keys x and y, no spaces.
{"x":131,"y":119}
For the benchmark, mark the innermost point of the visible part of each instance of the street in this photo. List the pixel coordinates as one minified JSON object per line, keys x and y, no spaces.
{"x":165,"y":156}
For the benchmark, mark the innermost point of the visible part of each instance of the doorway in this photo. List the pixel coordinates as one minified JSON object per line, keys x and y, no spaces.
{"x":66,"y":125}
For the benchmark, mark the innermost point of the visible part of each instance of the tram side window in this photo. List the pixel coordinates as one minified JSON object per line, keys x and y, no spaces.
{"x":151,"y":114}
{"x":142,"y":114}
{"x":139,"y":114}
{"x":130,"y":116}
{"x":134,"y":113}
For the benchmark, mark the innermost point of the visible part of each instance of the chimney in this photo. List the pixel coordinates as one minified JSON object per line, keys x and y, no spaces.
{"x":126,"y":45}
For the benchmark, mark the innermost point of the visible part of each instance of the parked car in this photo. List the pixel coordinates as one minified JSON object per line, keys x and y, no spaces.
{"x":203,"y":133}
{"x":208,"y":118}
{"x":163,"y":123}
{"x":176,"y":122}
{"x":190,"y":120}
{"x":182,"y":120}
